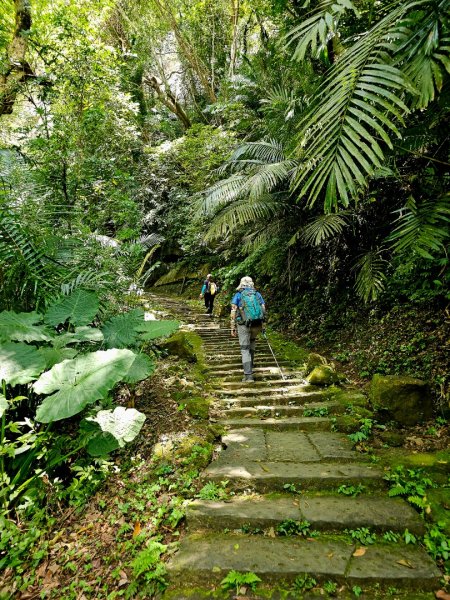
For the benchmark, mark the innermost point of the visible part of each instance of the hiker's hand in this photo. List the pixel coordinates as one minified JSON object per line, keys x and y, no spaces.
{"x":233,"y":333}
{"x":201,"y":296}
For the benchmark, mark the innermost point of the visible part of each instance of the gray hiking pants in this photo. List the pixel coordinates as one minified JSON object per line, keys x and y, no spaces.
{"x":247,"y":342}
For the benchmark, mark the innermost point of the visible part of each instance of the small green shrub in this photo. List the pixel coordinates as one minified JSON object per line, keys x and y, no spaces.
{"x":235,"y":580}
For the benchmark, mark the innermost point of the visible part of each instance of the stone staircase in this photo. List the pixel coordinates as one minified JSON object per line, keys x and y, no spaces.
{"x":285,"y":467}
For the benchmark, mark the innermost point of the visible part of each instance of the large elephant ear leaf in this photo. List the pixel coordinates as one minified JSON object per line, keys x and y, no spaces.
{"x":20,"y":363}
{"x":22,"y":327}
{"x":3,"y":405}
{"x":79,"y":336}
{"x":115,"y":429}
{"x":142,"y":367}
{"x":79,"y":309}
{"x":119,"y":331}
{"x":52,"y":356}
{"x":80,"y":382}
{"x":151,"y":330}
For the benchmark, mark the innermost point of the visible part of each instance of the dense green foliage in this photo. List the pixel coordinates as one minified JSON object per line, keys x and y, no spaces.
{"x":305,"y":144}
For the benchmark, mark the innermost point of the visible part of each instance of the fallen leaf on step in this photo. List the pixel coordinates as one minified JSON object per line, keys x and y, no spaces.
{"x":216,"y":569}
{"x":236,"y":546}
{"x":405,"y":563}
{"x":271,"y":533}
{"x":330,"y":554}
{"x":265,"y":469}
{"x":137,"y":529}
{"x":359,"y":552}
{"x":442,"y":595}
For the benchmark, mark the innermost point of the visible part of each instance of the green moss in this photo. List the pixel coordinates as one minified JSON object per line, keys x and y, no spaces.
{"x":439,"y":500}
{"x":198,"y":407}
{"x":347,"y":397}
{"x":346,"y":423}
{"x":322,"y":375}
{"x":436,"y":463}
{"x":286,"y":349}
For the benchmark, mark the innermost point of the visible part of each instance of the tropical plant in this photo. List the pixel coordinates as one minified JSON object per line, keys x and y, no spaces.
{"x":395,"y":66}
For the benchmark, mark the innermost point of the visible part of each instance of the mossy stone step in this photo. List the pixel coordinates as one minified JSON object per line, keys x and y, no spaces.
{"x":324,"y":513}
{"x":209,"y":558}
{"x":268,"y":370}
{"x":274,"y":410}
{"x":273,"y":476}
{"x":291,"y":399}
{"x":261,"y":375}
{"x":280,"y":424}
{"x":252,"y":390}
{"x":261,"y":382}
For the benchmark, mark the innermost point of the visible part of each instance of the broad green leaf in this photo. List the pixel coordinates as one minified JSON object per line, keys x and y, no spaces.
{"x":3,"y":405}
{"x":80,"y":382}
{"x":119,"y":331}
{"x":118,"y":427}
{"x":52,"y":356}
{"x":80,"y":335}
{"x":22,"y":327}
{"x":79,"y":308}
{"x":20,"y":363}
{"x":151,"y":330}
{"x":142,"y":367}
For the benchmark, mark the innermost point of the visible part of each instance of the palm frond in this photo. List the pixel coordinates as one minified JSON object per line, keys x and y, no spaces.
{"x":222,"y":192}
{"x":242,"y":213}
{"x":270,"y":151}
{"x":422,"y":228}
{"x":319,"y":28}
{"x":323,"y":227}
{"x":423,"y":46}
{"x":88,"y":280}
{"x":357,"y":107}
{"x":267,"y":178}
{"x":370,"y":276}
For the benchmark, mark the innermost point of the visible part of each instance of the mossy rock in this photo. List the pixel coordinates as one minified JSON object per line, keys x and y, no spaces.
{"x":348,"y":397}
{"x":362,"y":413}
{"x":392,"y":438}
{"x":439,"y":500}
{"x":184,"y":344}
{"x":346,"y":423}
{"x":405,"y":400}
{"x":197,"y":449}
{"x":197,"y":407}
{"x":314,"y":360}
{"x":322,"y":375}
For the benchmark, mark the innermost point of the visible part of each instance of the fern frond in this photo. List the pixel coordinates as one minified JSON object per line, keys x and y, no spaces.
{"x":323,"y":228}
{"x":370,"y":276}
{"x":422,"y":228}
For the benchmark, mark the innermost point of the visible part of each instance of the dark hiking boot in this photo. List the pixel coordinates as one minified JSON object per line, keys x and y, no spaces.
{"x":248,"y":378}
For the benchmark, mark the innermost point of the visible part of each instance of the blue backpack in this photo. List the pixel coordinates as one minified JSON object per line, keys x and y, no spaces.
{"x":250,"y":309}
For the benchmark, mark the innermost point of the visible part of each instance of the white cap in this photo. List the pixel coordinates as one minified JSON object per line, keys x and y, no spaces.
{"x":245,"y":282}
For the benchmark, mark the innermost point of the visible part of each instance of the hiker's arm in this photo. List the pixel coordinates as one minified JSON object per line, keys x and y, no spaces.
{"x":233,"y":319}
{"x":202,"y":293}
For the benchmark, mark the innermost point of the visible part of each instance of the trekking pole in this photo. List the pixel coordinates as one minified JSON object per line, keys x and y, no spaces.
{"x":283,"y":376}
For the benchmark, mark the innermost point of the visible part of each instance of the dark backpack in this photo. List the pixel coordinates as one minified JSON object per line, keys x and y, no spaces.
{"x":251,"y":312}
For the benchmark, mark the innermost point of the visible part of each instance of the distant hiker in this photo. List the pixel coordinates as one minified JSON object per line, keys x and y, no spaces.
{"x":248,"y":312}
{"x":209,"y":291}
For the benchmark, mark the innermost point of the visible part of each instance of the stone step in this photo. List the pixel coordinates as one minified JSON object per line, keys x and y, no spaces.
{"x":268,"y":369}
{"x":273,"y":476}
{"x":324,"y":513}
{"x":250,"y":389}
{"x":273,"y":410}
{"x":280,"y":424}
{"x":209,"y":558}
{"x":261,"y":374}
{"x":262,"y":382}
{"x":277,"y":399}
{"x":237,"y":364}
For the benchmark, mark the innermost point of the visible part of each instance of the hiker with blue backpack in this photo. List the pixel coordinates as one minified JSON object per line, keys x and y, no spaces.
{"x":209,"y":291}
{"x":248,"y":312}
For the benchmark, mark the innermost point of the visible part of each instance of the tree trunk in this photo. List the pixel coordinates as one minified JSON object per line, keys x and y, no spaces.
{"x":168,"y":99}
{"x":235,"y":6}
{"x":18,"y":69}
{"x":189,"y":52}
